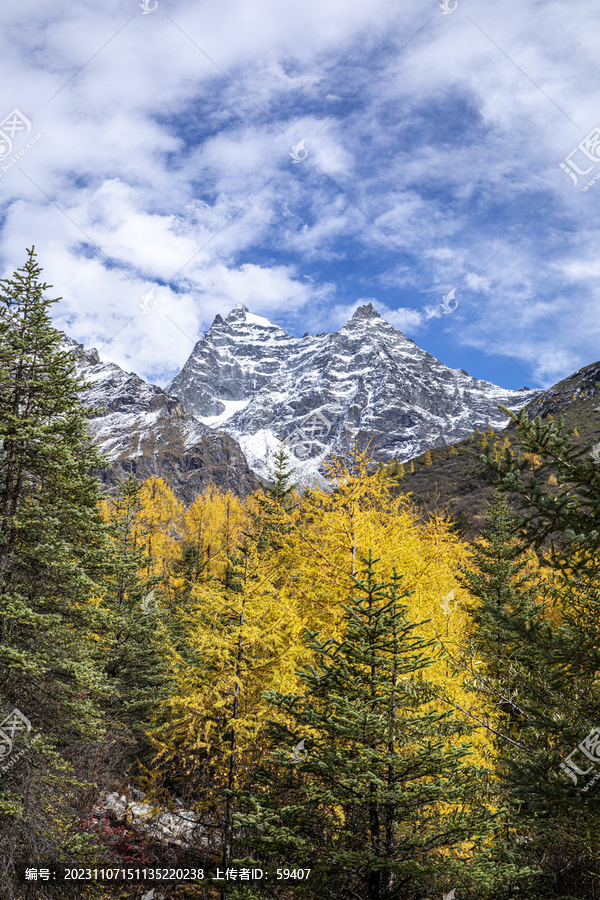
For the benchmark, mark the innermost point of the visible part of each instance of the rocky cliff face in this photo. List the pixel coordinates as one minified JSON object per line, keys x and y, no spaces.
{"x":257,"y":383}
{"x":140,"y":428}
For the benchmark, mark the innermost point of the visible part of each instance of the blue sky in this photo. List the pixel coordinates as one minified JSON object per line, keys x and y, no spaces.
{"x":431,"y":164}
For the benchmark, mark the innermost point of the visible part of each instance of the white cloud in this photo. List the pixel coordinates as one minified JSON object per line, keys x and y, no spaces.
{"x":183,"y":177}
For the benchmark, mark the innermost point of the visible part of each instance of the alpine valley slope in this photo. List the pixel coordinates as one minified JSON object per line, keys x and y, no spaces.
{"x":139,"y":428}
{"x":250,"y":379}
{"x":454,"y":482}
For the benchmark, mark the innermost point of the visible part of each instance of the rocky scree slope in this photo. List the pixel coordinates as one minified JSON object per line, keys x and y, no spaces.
{"x":249,"y":378}
{"x":139,"y":428}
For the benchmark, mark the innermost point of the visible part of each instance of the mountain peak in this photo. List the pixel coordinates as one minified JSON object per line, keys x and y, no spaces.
{"x":256,"y":383}
{"x":237,"y":314}
{"x":367,"y":311}
{"x":240,"y":314}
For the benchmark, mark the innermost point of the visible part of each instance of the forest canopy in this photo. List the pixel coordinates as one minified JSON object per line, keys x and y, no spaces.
{"x":316,"y":681}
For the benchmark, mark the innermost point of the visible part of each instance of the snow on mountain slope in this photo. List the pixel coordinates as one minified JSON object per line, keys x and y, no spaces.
{"x":138,"y":427}
{"x":256,"y":383}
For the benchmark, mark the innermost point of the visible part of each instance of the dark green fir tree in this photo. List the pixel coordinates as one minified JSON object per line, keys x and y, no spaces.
{"x":499,"y":577}
{"x":52,"y":556}
{"x":369,"y":785}
{"x":52,"y":539}
{"x":275,"y":503}
{"x":549,"y":631}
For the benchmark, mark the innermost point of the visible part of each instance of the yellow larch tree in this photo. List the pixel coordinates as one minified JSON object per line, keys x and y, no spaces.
{"x":161,"y":514}
{"x":336,"y":526}
{"x":238,"y":635}
{"x":212,"y":529}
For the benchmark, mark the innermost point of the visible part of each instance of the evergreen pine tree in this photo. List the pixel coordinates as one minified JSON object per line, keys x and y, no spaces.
{"x":499,"y":577}
{"x":497,"y":671}
{"x":275,"y":503}
{"x":52,"y":539}
{"x":566,"y":522}
{"x":282,"y":486}
{"x":367,"y":786}
{"x":553,"y":637}
{"x":52,"y":557}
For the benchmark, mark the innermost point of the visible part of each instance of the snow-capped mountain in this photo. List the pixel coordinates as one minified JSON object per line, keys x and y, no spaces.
{"x":139,"y":428}
{"x":249,"y":378}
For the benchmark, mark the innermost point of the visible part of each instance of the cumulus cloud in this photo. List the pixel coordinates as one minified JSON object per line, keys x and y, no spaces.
{"x":433,"y":149}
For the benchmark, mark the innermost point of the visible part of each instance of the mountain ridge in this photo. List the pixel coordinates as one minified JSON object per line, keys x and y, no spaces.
{"x":141,"y":429}
{"x":249,"y":378}
{"x":455,"y":483}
